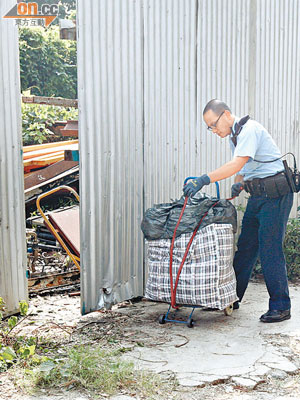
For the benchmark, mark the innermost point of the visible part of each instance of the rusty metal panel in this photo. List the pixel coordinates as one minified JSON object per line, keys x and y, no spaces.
{"x":110,"y":61}
{"x":41,"y":177}
{"x":13,"y":283}
{"x":66,"y":222}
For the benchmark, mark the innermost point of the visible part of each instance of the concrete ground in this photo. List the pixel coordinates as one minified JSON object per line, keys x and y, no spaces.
{"x":238,"y":348}
{"x":222,"y":357}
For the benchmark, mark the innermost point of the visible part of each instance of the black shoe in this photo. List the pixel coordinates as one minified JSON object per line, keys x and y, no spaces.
{"x":276,"y":316}
{"x":236,"y":305}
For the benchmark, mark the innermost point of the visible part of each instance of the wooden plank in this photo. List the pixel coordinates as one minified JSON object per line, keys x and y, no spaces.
{"x":44,"y":282}
{"x":71,"y":129}
{"x":43,"y":157}
{"x":50,"y":101}
{"x":44,"y":152}
{"x":44,"y":161}
{"x":47,"y":173}
{"x":33,"y":147}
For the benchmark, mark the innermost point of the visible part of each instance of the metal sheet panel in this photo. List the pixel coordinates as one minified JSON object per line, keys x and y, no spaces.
{"x":146,"y":70}
{"x":194,"y":51}
{"x":13,"y":283}
{"x":111,"y":150}
{"x":223,"y":73}
{"x":170,"y":102}
{"x":277,"y":74}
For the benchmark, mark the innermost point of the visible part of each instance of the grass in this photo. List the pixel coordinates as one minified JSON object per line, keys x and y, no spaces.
{"x":95,"y":370}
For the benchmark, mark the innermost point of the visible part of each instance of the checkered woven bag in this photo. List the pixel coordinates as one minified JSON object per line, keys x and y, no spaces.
{"x":207,"y":278}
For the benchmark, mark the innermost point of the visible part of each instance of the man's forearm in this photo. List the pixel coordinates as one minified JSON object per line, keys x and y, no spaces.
{"x":229,"y":169}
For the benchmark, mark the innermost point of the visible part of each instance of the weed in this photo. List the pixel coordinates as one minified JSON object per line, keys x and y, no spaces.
{"x":96,"y":370}
{"x":14,"y":349}
{"x":292,"y":248}
{"x":37,"y":120}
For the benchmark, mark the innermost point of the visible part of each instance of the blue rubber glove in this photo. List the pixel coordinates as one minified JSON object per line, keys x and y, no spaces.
{"x":236,"y":189}
{"x":191,"y":188}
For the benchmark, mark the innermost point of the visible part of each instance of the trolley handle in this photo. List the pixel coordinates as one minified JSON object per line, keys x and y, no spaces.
{"x":194,"y":177}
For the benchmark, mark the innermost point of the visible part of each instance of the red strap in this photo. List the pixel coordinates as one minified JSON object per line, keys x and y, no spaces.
{"x":173,"y":290}
{"x":173,"y":294}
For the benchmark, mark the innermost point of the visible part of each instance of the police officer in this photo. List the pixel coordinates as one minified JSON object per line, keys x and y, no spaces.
{"x":268,"y":208}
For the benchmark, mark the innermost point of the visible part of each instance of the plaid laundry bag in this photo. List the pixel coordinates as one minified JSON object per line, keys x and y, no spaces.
{"x":207,"y":278}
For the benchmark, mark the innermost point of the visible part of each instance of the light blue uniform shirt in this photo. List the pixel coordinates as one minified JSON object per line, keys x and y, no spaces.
{"x":255,"y":142}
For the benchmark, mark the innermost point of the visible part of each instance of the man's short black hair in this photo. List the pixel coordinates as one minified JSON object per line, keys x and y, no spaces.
{"x":216,"y":106}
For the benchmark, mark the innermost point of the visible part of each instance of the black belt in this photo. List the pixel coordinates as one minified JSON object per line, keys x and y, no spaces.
{"x":271,"y":186}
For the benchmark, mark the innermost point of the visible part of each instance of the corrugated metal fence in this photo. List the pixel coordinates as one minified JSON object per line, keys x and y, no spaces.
{"x":111,"y":150}
{"x":13,"y":284}
{"x":146,"y":70}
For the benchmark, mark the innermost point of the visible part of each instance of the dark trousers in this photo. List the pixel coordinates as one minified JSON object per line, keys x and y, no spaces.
{"x":263,"y":230}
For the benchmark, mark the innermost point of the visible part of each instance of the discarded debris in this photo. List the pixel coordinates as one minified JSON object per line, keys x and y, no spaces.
{"x":38,"y":156}
{"x":184,"y":343}
{"x":42,"y":176}
{"x":66,"y":222}
{"x":52,"y":263}
{"x":70,"y":129}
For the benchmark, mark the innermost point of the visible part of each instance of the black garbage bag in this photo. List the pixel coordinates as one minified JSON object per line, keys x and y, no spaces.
{"x":159,"y":222}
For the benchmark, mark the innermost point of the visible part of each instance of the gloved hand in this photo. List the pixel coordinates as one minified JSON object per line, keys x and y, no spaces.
{"x":236,"y":189}
{"x":191,"y":188}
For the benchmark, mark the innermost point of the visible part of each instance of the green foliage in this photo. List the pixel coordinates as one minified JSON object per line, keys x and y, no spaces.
{"x":66,"y":8}
{"x":23,"y":307}
{"x":292,"y":248}
{"x":37,"y":118}
{"x":13,"y":348}
{"x":26,"y":352}
{"x":99,"y":371}
{"x":2,"y":308}
{"x":240,"y":208}
{"x":48,"y":65}
{"x":12,"y":322}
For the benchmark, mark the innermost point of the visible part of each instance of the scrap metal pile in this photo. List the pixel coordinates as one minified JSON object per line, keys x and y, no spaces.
{"x":51,"y":174}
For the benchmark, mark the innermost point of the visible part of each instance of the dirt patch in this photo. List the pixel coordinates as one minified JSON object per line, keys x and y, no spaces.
{"x":134,"y":327}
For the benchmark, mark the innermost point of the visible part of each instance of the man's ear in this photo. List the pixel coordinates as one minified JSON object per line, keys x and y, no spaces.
{"x":227,"y":113}
{"x":229,"y":117}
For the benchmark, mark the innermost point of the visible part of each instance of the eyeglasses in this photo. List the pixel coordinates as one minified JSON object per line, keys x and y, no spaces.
{"x":210,"y":128}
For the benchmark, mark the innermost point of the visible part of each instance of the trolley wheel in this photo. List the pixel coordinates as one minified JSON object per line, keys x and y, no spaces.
{"x":190,"y":323}
{"x":228,"y":310}
{"x":162,"y":319}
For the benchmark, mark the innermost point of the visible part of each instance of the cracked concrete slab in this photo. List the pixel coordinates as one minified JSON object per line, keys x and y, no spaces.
{"x":223,"y":347}
{"x":260,"y":370}
{"x":274,"y":359}
{"x":244,"y":382}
